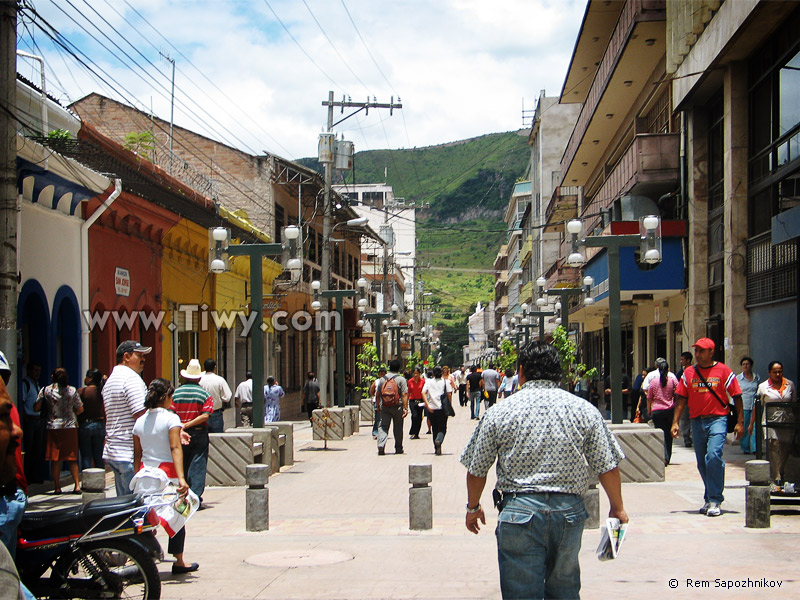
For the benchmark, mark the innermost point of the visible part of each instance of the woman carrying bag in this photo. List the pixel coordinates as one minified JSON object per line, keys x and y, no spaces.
{"x":437,"y":394}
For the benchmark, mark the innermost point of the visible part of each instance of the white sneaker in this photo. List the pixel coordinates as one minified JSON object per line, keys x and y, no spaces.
{"x":713,"y":510}
{"x":705,"y":508}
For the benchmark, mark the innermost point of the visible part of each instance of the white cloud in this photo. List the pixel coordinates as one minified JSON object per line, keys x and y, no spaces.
{"x":461,"y":67}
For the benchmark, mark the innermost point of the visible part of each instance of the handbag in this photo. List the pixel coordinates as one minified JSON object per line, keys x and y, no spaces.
{"x":447,"y":406}
{"x":732,"y":418}
{"x":638,"y":417}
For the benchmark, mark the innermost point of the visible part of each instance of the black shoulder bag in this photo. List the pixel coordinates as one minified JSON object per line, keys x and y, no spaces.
{"x":732,"y":418}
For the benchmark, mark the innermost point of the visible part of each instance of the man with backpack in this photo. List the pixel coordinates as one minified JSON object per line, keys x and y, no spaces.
{"x":393,"y":406}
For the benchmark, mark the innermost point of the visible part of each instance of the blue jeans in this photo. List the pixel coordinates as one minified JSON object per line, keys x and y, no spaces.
{"x":91,"y":437}
{"x":195,"y":460}
{"x":377,"y":421}
{"x":216,"y":422}
{"x":123,"y":474}
{"x":11,"y":511}
{"x":708,"y":437}
{"x":748,"y":441}
{"x":538,"y":541}
{"x":475,"y":404}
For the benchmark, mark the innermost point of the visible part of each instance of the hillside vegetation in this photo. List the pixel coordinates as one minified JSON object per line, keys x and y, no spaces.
{"x":463,"y":189}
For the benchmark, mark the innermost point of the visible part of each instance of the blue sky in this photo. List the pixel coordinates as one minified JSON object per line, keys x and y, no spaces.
{"x":253,"y":74}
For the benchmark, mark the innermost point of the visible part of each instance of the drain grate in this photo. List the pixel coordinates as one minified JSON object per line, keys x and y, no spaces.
{"x":298,"y":558}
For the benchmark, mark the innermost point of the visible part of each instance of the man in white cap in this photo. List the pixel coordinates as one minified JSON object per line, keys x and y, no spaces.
{"x":194,"y":405}
{"x":123,"y":398}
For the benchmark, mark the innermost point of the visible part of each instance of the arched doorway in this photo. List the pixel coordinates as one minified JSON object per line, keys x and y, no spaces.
{"x":66,"y":334}
{"x":33,"y":318}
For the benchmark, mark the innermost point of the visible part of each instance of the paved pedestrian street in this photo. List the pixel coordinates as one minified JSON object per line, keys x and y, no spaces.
{"x":339,"y":529}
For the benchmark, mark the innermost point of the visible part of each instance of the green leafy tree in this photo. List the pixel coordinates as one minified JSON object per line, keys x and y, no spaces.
{"x":568,"y":353}
{"x":60,"y":134}
{"x":368,"y":364}
{"x":508,"y":355}
{"x":142,"y":143}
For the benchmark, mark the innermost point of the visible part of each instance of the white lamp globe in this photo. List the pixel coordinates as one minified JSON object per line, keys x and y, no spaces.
{"x":651,"y":222}
{"x":362,"y":283}
{"x":360,"y":323}
{"x":395,"y":308}
{"x":362,"y":301}
{"x":411,"y":322}
{"x":220,"y":234}
{"x":524,"y":306}
{"x":558,"y":306}
{"x":588,"y":281}
{"x":588,"y":301}
{"x":294,"y":264}
{"x":574,"y":226}
{"x":292,"y":232}
{"x":316,"y":305}
{"x":385,"y":322}
{"x":652,"y":256}
{"x":315,"y":285}
{"x":541,"y":282}
{"x":575,"y":259}
{"x":541,"y":302}
{"x":217,"y":265}
{"x":558,"y":320}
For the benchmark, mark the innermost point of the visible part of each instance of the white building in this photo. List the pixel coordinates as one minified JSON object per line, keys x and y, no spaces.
{"x":397,"y":224}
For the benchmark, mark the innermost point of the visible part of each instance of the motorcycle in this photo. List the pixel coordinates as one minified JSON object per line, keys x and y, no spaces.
{"x":103,"y":549}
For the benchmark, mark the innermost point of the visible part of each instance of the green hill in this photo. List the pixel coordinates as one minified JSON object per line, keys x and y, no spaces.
{"x":463,"y":188}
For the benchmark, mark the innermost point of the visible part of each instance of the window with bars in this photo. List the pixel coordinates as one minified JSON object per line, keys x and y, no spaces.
{"x":656,"y":120}
{"x":771,"y":270}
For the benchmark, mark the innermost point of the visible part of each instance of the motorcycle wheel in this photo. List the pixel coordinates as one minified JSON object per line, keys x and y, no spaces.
{"x":114,"y":568}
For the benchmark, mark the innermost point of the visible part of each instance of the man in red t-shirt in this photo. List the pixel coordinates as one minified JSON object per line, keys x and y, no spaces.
{"x":706,"y":386}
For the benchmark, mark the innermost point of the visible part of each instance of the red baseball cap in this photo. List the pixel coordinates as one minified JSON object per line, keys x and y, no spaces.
{"x":705,"y":343}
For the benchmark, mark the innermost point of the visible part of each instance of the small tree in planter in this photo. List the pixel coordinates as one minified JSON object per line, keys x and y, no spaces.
{"x":508,"y":356}
{"x":568,"y":353}
{"x":368,"y":365}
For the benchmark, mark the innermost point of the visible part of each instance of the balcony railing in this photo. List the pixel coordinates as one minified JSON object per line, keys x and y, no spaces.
{"x":651,"y":157}
{"x":633,"y":12}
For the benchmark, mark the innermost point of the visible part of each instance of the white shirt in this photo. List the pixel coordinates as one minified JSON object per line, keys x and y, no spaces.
{"x":244,"y":392}
{"x":434,"y":388}
{"x":123,"y":397}
{"x":217,"y":387}
{"x":152,"y":429}
{"x":649,"y":379}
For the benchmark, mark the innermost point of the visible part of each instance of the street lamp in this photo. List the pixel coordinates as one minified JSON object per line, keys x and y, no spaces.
{"x":649,"y":242}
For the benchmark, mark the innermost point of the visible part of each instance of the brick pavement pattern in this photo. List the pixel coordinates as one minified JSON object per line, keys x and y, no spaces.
{"x":339,"y":529}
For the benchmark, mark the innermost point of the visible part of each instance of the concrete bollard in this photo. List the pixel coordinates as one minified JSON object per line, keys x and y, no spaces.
{"x":591,"y":500}
{"x":756,"y":500}
{"x":257,"y":498}
{"x":93,"y":485}
{"x":420,"y":497}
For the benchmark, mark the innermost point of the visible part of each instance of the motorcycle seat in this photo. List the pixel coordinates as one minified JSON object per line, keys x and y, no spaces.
{"x":75,"y":520}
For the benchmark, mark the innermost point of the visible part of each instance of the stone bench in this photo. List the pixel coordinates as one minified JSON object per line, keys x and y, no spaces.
{"x":644,"y":452}
{"x":229,"y":454}
{"x":277,"y":440}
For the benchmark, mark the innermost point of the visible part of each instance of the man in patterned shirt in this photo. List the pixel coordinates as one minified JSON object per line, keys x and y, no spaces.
{"x":542,"y":438}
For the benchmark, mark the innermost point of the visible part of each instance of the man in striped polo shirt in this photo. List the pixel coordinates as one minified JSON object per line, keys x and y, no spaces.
{"x":123,"y":398}
{"x":194,"y":406}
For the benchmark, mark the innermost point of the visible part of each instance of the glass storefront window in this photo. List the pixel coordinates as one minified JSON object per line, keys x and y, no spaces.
{"x":789,"y":90}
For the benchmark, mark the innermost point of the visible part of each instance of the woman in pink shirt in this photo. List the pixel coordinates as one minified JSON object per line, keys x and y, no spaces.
{"x":661,"y":404}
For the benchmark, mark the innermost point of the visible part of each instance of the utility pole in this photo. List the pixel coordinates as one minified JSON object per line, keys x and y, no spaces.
{"x":8,"y":189}
{"x":327,"y":226}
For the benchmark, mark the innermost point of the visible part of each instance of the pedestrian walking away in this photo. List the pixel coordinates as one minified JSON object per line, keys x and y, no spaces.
{"x":491,"y":381}
{"x":194,"y":405}
{"x":438,"y":393}
{"x":310,"y":394}
{"x":544,"y":440}
{"x":661,"y":404}
{"x":475,"y":391}
{"x":686,"y":359}
{"x":63,"y":407}
{"x":416,"y":402}
{"x":243,"y":397}
{"x":392,"y":393}
{"x":220,"y":392}
{"x":33,"y":424}
{"x":92,"y":421}
{"x":705,"y":388}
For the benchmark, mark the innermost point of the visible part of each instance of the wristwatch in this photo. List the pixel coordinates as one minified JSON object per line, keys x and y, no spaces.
{"x":473,"y":510}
